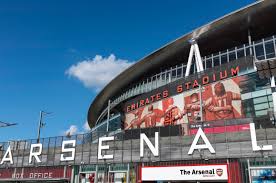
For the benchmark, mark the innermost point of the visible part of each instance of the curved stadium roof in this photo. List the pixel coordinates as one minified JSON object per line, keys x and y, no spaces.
{"x":226,"y":32}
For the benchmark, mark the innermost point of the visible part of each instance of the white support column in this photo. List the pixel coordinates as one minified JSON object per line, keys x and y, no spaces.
{"x":189,"y":61}
{"x":128,"y":169}
{"x":198,"y":60}
{"x":273,"y":89}
{"x":196,"y":63}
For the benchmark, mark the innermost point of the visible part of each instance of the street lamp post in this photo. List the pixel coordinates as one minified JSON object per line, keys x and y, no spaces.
{"x":40,"y":124}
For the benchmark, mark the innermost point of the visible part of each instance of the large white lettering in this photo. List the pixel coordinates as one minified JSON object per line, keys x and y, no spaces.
{"x":154,"y":150}
{"x":255,"y":147}
{"x":7,"y":156}
{"x":106,"y":147}
{"x":35,"y":154}
{"x":68,"y":150}
{"x":207,"y":144}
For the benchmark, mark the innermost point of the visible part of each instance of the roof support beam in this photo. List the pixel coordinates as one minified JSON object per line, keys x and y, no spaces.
{"x":194,"y":51}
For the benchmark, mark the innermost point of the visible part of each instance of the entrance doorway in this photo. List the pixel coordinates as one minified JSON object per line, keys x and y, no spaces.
{"x":118,"y":176}
{"x":87,"y":177}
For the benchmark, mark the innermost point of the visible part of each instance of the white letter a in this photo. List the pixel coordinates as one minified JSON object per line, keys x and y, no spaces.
{"x":207,"y":144}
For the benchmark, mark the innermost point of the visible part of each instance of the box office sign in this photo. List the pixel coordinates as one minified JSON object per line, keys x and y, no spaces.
{"x":175,"y":173}
{"x":41,"y":173}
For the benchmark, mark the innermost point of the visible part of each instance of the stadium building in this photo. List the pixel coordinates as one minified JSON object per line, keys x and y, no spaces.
{"x":200,"y":109}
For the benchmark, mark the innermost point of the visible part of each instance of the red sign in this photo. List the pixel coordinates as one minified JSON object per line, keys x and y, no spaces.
{"x":6,"y":173}
{"x":39,"y":173}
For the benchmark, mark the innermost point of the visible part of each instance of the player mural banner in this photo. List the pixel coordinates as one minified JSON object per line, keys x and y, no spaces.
{"x":179,"y":103}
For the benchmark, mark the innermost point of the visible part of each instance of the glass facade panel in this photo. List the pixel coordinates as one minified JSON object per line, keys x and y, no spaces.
{"x":224,"y":59}
{"x":259,"y":50}
{"x":168,"y":77}
{"x":240,"y":53}
{"x":256,"y":99}
{"x":193,"y":69}
{"x":247,"y":51}
{"x":261,"y":106}
{"x":261,"y":113}
{"x":174,"y":75}
{"x":259,"y":93}
{"x":216,"y":61}
{"x":232,"y":56}
{"x":209,"y":63}
{"x":115,"y":123}
{"x":179,"y":72}
{"x":269,"y":49}
{"x":260,"y":100}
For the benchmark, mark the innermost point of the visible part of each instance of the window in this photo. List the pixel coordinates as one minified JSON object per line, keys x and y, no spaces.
{"x":247,"y":51}
{"x":208,"y":63}
{"x":232,"y":56}
{"x":259,"y":50}
{"x":179,"y":72}
{"x":173,"y":74}
{"x":193,"y":69}
{"x":261,"y":106}
{"x":216,"y":61}
{"x":269,"y":49}
{"x":260,"y":100}
{"x":240,"y":53}
{"x":223,"y":58}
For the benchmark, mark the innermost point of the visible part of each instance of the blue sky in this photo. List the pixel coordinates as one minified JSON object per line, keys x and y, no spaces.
{"x":48,"y":52}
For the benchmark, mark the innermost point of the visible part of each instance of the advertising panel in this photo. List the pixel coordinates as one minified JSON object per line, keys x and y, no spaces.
{"x":186,"y":173}
{"x":220,"y":101}
{"x":259,"y":175}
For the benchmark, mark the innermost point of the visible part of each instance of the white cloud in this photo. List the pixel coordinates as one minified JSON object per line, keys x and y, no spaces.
{"x":86,"y":127}
{"x":97,"y":72}
{"x":73,"y":130}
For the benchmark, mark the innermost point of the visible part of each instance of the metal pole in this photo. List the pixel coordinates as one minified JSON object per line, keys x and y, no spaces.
{"x":200,"y":100}
{"x":250,"y":41}
{"x":273,"y":87}
{"x":249,"y":171}
{"x":108,"y":116}
{"x":127,"y":177}
{"x":96,"y":175}
{"x":39,"y":126}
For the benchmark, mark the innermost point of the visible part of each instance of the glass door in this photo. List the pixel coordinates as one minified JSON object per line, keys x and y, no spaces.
{"x":117,"y":177}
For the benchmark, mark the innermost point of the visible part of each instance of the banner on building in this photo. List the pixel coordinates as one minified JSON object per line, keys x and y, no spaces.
{"x":186,"y":173}
{"x":220,"y":101}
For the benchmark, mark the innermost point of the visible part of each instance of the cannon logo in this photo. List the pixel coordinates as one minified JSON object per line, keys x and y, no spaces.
{"x":219,"y":172}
